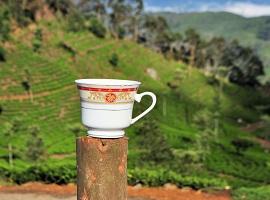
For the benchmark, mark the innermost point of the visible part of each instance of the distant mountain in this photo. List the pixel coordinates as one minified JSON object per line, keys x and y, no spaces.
{"x":254,"y":32}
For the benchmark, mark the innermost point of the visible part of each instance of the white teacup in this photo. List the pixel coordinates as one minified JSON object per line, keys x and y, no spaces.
{"x":107,"y":104}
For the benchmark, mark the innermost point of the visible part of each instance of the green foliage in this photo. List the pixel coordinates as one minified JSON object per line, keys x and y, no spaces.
{"x":203,"y":119}
{"x":257,"y":193}
{"x":76,"y":129}
{"x":62,"y":174}
{"x":2,"y":54}
{"x":37,"y":40}
{"x":35,"y":145}
{"x":4,"y":23}
{"x":154,"y":142}
{"x":114,"y":60}
{"x":63,"y":7}
{"x":66,"y":173}
{"x":26,"y":85}
{"x":179,"y":75}
{"x":263,"y":132}
{"x":97,"y":28}
{"x":121,"y":33}
{"x":10,"y":131}
{"x":241,"y":144}
{"x":160,"y":177}
{"x":20,"y":13}
{"x":249,"y":167}
{"x":75,"y":21}
{"x":67,"y":48}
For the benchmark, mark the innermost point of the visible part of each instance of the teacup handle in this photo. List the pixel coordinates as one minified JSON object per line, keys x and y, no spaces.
{"x":138,"y":98}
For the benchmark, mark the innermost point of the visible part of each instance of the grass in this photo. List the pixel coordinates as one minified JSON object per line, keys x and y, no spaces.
{"x":252,"y":193}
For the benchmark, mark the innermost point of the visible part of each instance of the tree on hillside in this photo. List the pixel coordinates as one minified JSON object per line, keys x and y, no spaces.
{"x":153,"y":141}
{"x":10,"y":132}
{"x":96,"y":8}
{"x":18,"y":12}
{"x":137,"y":9}
{"x":61,"y":6}
{"x":75,"y":21}
{"x":192,"y":38}
{"x":245,"y":66}
{"x":119,"y":15}
{"x":155,"y":33}
{"x":37,"y":40}
{"x":24,"y":11}
{"x":97,"y":28}
{"x":4,"y":22}
{"x":213,"y":54}
{"x":27,"y":84}
{"x":35,"y":145}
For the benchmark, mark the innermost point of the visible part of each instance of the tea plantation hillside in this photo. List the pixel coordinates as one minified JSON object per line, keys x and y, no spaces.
{"x":54,"y":108}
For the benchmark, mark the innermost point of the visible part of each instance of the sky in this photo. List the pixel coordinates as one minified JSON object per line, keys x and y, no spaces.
{"x":246,"y":8}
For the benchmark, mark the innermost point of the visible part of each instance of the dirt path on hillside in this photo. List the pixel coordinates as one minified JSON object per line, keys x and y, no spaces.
{"x":99,"y":46}
{"x":35,"y":95}
{"x":39,"y":191}
{"x":253,"y":127}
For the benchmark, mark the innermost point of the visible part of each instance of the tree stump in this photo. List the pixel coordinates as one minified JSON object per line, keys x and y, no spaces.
{"x":101,"y":168}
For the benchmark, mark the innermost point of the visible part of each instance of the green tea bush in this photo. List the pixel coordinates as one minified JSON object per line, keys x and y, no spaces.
{"x":37,"y":41}
{"x":67,"y":48}
{"x":114,"y":60}
{"x":66,"y":173}
{"x":154,"y":142}
{"x":97,"y":28}
{"x":35,"y":144}
{"x":160,"y":177}
{"x":60,"y":174}
{"x":241,"y":144}
{"x":240,"y":166}
{"x":259,"y":193}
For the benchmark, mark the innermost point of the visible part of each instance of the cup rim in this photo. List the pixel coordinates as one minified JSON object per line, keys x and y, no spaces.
{"x":107,"y":82}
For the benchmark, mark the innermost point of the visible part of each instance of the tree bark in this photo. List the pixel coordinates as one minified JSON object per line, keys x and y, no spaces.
{"x":101,"y":168}
{"x":10,"y":155}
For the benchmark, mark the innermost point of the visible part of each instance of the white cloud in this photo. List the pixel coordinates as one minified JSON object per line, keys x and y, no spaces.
{"x":152,"y":8}
{"x":248,"y":9}
{"x":245,"y":9}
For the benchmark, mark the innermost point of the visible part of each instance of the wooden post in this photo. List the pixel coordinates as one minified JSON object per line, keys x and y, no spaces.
{"x":101,"y":168}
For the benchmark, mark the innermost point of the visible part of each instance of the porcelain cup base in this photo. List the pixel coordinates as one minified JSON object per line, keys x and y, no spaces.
{"x":99,"y":133}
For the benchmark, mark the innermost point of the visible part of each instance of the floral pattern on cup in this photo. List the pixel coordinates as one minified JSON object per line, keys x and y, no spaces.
{"x":108,"y":95}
